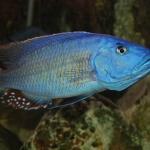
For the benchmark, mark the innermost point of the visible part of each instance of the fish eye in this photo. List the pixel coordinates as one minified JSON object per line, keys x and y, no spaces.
{"x":121,"y":50}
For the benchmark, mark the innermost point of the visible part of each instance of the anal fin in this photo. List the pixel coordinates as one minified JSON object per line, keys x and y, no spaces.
{"x":22,"y":100}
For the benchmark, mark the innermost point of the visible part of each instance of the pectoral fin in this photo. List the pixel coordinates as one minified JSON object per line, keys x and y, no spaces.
{"x":71,"y":100}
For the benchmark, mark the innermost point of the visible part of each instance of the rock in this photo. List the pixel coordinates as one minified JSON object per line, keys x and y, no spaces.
{"x":139,"y":115}
{"x":86,"y":125}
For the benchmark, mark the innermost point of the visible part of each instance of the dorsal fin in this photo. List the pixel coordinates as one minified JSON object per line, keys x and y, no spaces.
{"x":11,"y":53}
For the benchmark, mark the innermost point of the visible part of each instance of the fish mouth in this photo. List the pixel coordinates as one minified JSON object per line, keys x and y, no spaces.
{"x":140,"y":71}
{"x":143,"y":68}
{"x":144,"y":63}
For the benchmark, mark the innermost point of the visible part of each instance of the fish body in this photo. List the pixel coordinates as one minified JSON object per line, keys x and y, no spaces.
{"x":73,"y":64}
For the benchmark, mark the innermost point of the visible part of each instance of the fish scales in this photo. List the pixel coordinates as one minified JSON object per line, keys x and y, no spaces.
{"x":71,"y":65}
{"x":54,"y":77}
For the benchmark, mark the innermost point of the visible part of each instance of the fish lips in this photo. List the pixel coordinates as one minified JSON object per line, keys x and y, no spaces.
{"x":145,"y":62}
{"x":143,"y":68}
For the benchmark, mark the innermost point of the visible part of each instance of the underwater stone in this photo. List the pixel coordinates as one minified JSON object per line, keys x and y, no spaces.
{"x":88,"y":125}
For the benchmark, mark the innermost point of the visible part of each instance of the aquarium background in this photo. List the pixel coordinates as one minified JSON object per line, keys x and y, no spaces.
{"x":107,"y":121}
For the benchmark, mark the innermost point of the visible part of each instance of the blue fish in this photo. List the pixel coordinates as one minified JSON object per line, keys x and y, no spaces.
{"x":72,"y":66}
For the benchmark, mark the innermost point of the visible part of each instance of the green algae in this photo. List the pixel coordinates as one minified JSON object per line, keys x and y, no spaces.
{"x":141,"y":117}
{"x":124,"y":25}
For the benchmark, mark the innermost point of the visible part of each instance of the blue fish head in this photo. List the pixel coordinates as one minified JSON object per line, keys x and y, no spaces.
{"x":120,"y":63}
